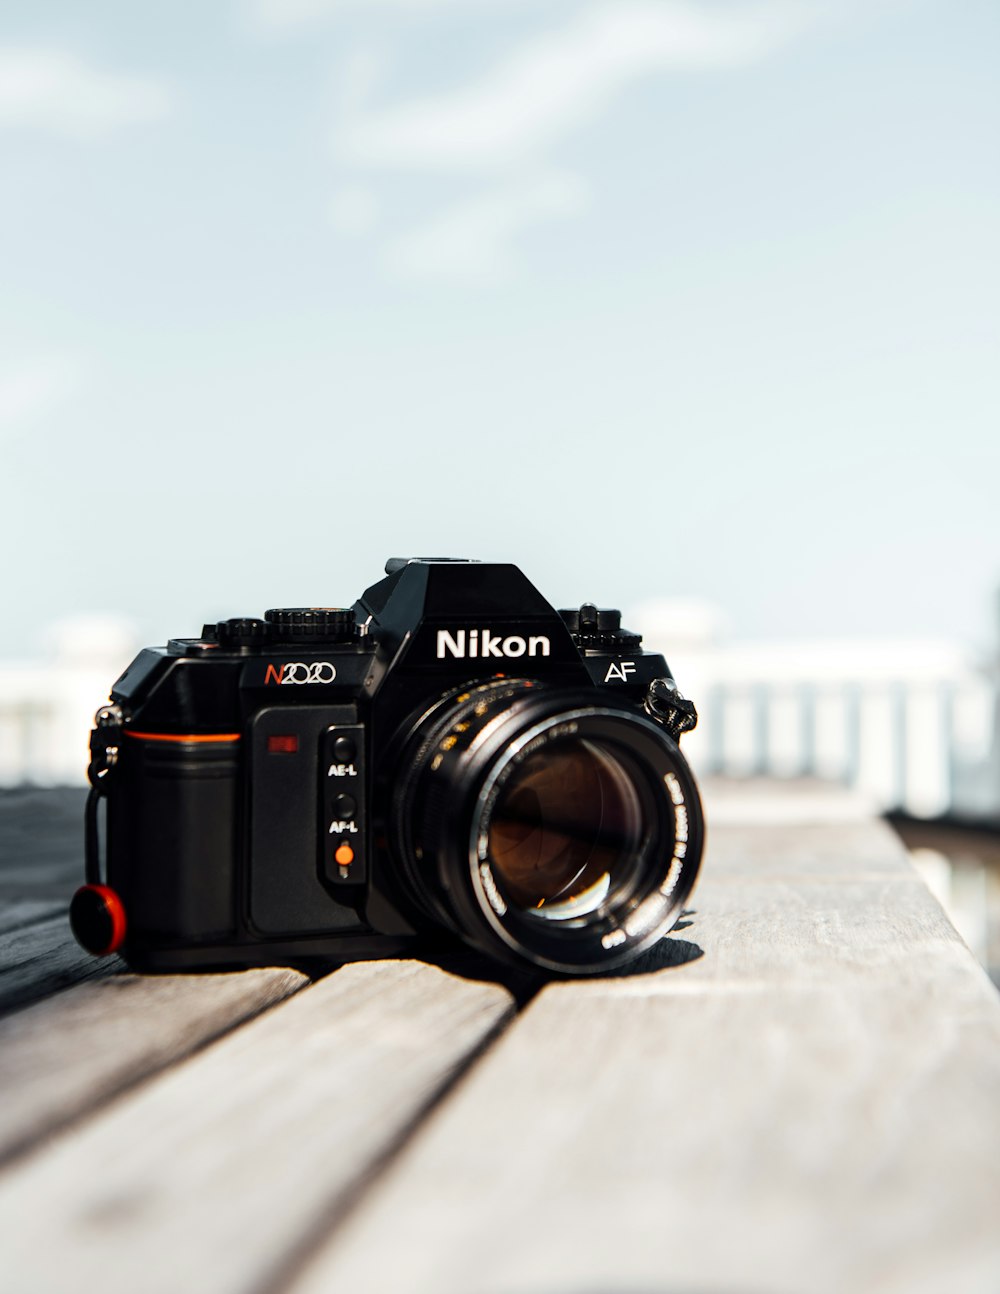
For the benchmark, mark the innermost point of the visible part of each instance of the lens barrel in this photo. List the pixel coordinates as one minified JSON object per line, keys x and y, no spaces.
{"x":544,"y":826}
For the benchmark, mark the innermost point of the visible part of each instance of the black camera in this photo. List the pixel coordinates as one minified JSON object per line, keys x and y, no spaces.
{"x":450,"y":760}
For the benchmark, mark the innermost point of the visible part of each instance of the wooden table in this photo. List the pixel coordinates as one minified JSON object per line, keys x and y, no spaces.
{"x":798,"y":1090}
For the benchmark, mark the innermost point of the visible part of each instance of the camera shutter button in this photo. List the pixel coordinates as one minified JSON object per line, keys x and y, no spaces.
{"x":600,"y":630}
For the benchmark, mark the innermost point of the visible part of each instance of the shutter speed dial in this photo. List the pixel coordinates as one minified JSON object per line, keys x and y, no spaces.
{"x":311,"y":624}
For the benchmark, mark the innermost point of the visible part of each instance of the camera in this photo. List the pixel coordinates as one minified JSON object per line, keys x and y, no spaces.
{"x":449,"y":762}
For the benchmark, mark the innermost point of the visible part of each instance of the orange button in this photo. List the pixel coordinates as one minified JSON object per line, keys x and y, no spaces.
{"x":344,"y":854}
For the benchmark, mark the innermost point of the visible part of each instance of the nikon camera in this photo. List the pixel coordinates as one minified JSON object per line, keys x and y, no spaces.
{"x":451,"y":760}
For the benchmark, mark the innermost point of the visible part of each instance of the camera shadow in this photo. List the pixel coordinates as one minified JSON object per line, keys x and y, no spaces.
{"x":523,"y":983}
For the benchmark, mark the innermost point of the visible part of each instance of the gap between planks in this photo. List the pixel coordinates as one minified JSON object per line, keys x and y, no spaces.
{"x":40,"y":959}
{"x":63,"y":1057}
{"x":811,"y":1105}
{"x":214,"y":1175}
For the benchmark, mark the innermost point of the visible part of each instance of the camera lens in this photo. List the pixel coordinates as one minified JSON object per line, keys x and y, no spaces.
{"x":544,"y":827}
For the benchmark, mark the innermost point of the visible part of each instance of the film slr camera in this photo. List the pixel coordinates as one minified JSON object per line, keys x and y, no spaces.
{"x":450,"y":760}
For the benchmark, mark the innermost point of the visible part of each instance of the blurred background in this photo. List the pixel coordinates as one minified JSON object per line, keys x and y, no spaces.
{"x":690,"y":308}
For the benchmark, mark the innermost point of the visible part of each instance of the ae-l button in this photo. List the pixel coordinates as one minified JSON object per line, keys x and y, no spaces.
{"x":344,"y":750}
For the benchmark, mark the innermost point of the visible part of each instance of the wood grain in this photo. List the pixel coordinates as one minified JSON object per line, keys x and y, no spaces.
{"x":69,"y":1054}
{"x":812,"y":1105}
{"x":40,"y":959}
{"x":215,"y":1175}
{"x":41,"y":864}
{"x":17,"y":913}
{"x":41,"y":842}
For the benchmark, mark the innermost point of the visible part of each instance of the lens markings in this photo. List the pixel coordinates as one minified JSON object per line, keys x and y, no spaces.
{"x":492,"y":893}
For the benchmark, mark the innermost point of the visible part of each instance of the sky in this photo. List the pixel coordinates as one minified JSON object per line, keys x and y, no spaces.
{"x":655,"y":299}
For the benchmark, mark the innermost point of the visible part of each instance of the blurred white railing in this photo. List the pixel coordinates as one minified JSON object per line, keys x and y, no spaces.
{"x":47,"y":708}
{"x":913,"y":724}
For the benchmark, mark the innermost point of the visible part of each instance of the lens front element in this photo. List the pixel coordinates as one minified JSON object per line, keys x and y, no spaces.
{"x":566,"y":829}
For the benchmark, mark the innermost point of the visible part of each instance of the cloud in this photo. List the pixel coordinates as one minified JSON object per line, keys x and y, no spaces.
{"x":58,"y":92}
{"x":354,"y":210}
{"x":33,"y":388}
{"x":560,"y":80}
{"x":471,"y":240}
{"x":290,"y":14}
{"x":506,"y":124}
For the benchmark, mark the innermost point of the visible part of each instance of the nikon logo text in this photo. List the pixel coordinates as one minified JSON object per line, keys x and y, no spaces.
{"x":296,"y":671}
{"x":478,"y":643}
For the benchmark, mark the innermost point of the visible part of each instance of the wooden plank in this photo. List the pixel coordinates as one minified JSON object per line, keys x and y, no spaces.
{"x":65,"y":1056}
{"x":40,"y":959}
{"x":799,"y":1092}
{"x":17,"y":913}
{"x":41,"y":842}
{"x":214,"y":1175}
{"x":41,"y":864}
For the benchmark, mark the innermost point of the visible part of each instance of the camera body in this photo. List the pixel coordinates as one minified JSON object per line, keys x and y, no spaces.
{"x":435,"y":764}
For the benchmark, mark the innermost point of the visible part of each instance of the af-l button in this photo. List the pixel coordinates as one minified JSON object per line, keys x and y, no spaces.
{"x":344,"y":806}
